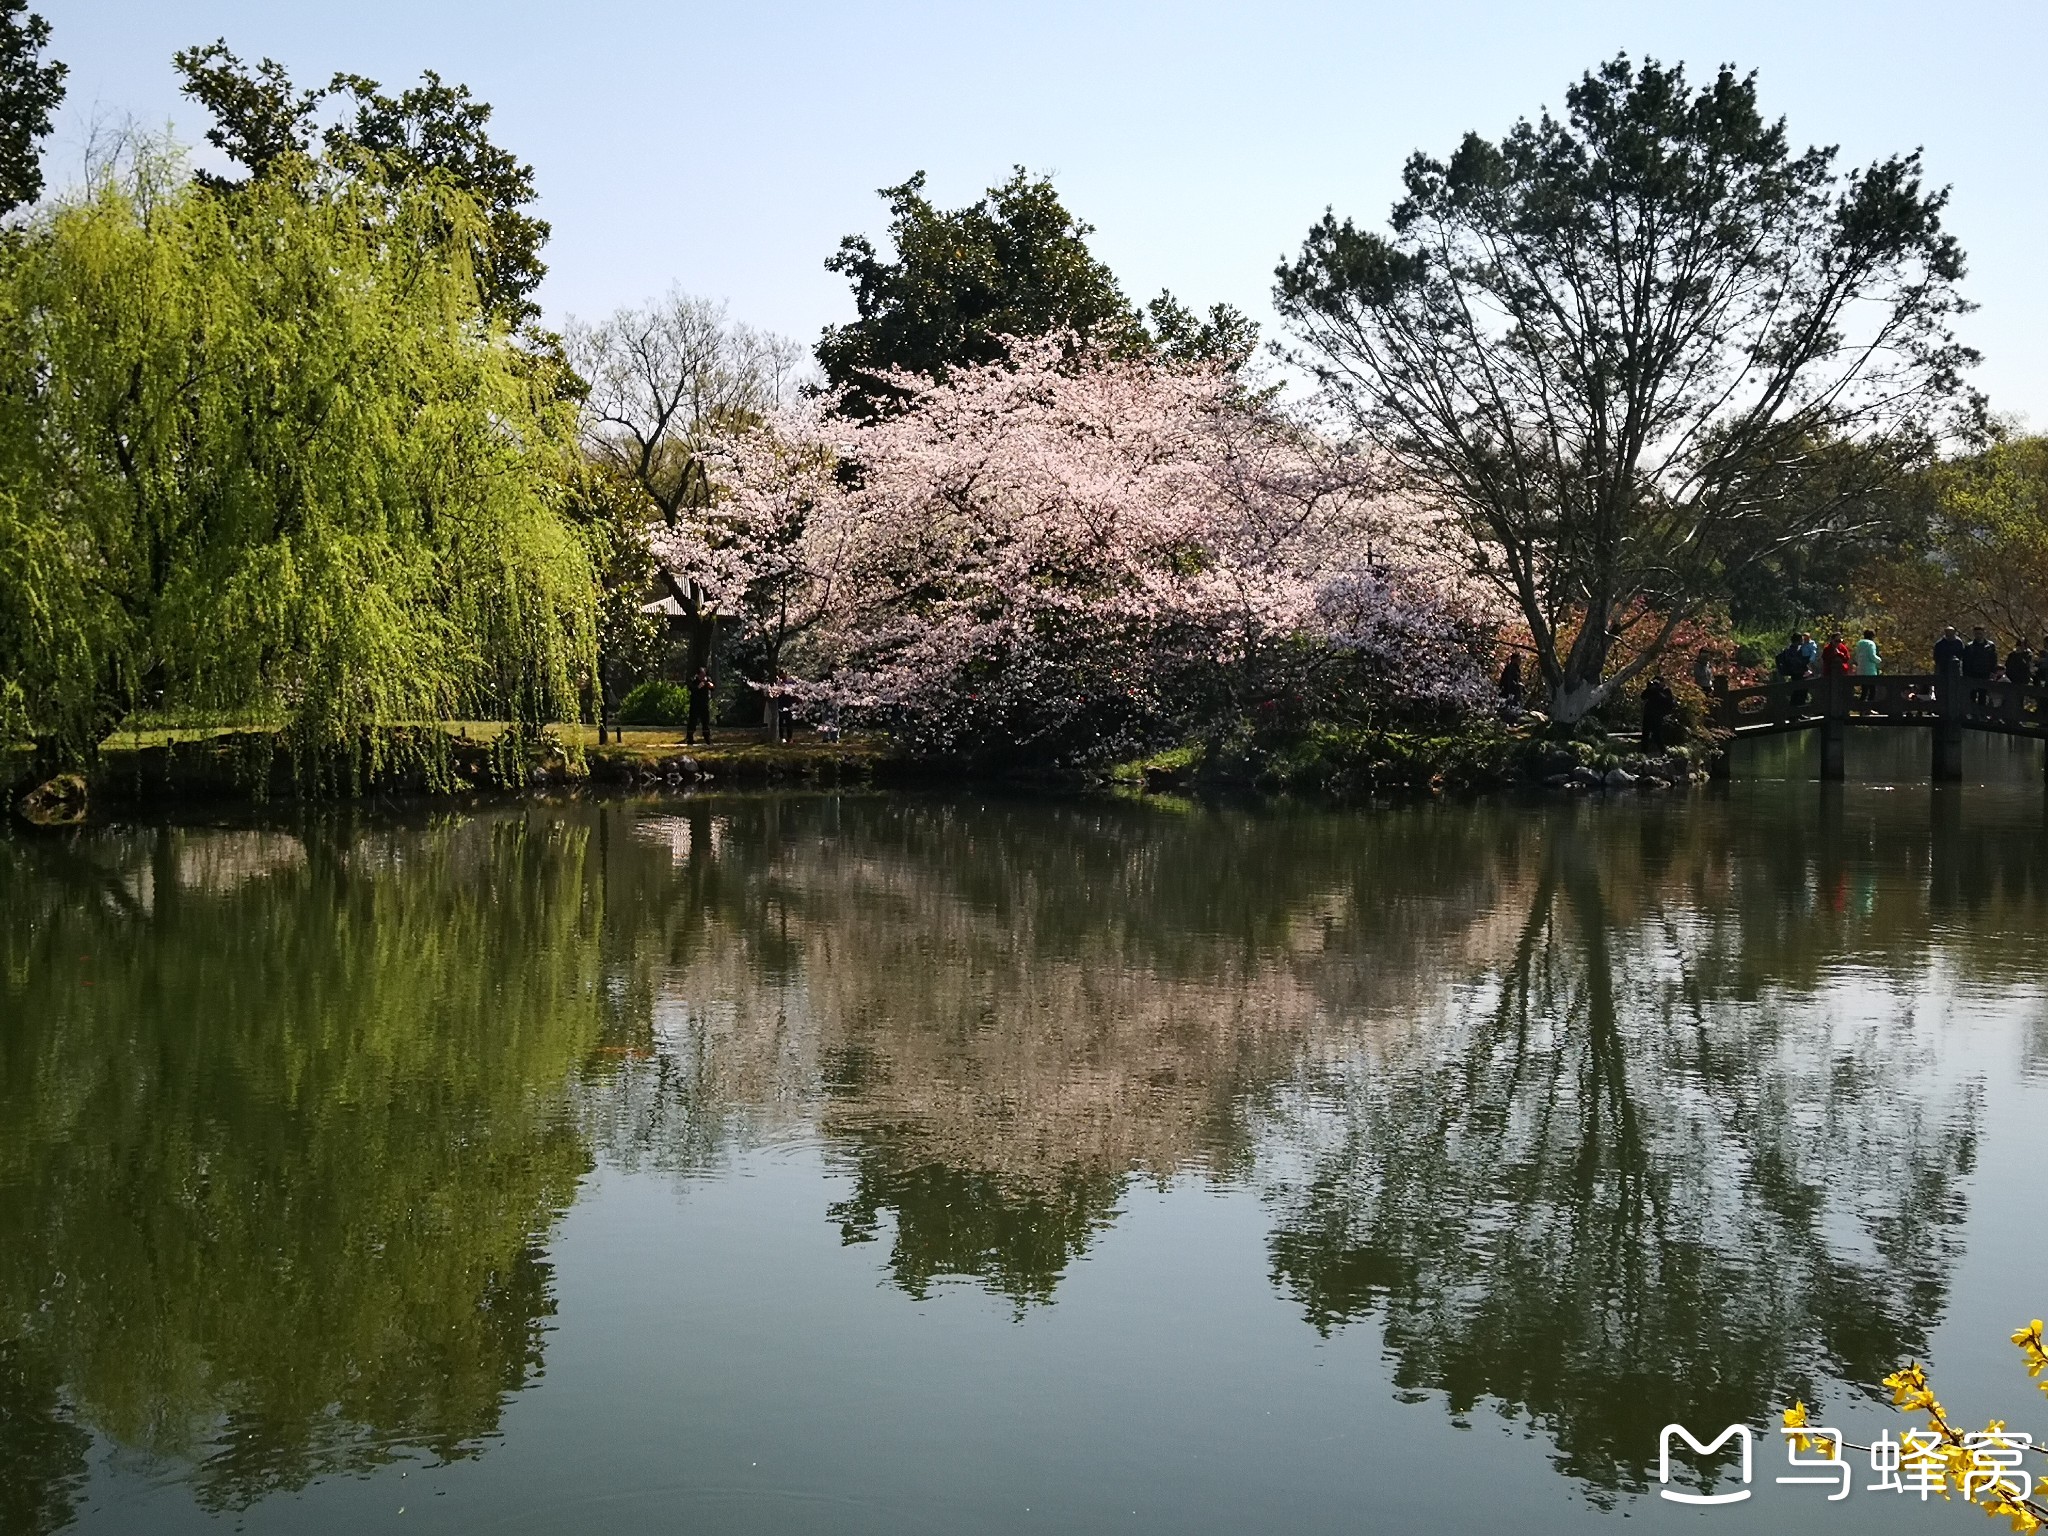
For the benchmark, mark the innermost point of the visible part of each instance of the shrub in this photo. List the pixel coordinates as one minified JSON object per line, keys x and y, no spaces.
{"x":655,"y":702}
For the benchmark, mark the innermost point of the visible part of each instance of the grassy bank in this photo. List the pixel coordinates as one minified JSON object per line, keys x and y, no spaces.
{"x":138,"y":770}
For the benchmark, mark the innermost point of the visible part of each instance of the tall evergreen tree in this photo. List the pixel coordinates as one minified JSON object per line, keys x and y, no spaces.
{"x":262,"y":121}
{"x":1016,"y":263}
{"x":1608,"y":343}
{"x":29,"y":92}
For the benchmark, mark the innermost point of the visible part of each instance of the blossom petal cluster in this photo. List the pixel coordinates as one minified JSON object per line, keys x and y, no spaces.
{"x":1054,"y":559}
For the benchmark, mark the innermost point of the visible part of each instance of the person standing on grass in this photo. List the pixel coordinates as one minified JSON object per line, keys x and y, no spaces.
{"x":778,"y":708}
{"x":702,"y":686}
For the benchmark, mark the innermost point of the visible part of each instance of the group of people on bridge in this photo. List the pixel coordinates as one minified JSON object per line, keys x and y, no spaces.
{"x":1804,"y":657}
{"x":1977,"y":661}
{"x":1976,"y":658}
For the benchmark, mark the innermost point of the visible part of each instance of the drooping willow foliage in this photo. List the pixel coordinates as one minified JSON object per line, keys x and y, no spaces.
{"x":261,"y":455}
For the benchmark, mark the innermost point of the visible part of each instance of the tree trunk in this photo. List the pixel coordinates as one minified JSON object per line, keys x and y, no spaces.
{"x":1579,"y":687}
{"x":1571,"y":702}
{"x":700,"y":642}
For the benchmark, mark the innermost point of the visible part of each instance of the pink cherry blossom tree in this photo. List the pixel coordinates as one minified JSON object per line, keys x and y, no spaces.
{"x":1060,"y":563}
{"x":761,"y":553}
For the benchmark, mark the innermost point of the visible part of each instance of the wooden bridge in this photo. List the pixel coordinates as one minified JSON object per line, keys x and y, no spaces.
{"x":1948,"y":705}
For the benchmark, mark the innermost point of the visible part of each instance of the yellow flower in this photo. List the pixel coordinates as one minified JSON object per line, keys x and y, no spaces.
{"x":1795,"y":1418}
{"x":1909,"y":1389}
{"x":1960,"y":1464}
{"x":2004,"y":1504}
{"x":2032,"y":1346}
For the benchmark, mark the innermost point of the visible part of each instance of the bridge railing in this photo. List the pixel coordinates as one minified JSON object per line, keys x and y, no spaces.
{"x":1784,"y":704}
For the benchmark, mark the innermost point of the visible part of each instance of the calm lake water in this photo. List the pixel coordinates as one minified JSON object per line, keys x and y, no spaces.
{"x":898,"y":1164}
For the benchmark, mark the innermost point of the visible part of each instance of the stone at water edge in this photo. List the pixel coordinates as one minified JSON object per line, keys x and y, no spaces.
{"x":58,"y":802}
{"x":1619,"y":778}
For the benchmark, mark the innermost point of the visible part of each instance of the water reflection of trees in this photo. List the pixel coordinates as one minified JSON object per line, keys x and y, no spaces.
{"x":277,"y":1149}
{"x":1585,"y":1129}
{"x":1558,"y":1098}
{"x":1640,"y":1171}
{"x":1017,"y":1008}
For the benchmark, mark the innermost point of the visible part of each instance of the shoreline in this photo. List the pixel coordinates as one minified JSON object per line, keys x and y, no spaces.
{"x":1332,"y":767}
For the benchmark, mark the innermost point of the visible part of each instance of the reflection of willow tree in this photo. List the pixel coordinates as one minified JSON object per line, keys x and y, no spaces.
{"x":42,"y":1447}
{"x":281,"y":1131}
{"x":1611,"y":1195}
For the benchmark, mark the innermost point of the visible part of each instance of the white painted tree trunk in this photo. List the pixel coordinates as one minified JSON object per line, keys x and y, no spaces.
{"x":1572,"y":703}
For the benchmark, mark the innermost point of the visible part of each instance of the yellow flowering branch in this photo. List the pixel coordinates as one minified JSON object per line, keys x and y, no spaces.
{"x":1957,"y":1460}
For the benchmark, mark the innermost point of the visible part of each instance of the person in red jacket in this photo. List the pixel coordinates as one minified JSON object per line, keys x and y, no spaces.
{"x":1834,"y":656}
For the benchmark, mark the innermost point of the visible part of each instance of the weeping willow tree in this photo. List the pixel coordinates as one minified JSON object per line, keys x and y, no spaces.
{"x":262,"y":455}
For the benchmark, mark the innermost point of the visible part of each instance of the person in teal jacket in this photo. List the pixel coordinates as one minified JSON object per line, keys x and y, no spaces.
{"x":1864,"y":660}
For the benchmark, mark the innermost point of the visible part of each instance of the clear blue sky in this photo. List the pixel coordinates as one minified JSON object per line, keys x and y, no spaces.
{"x":728,"y":147}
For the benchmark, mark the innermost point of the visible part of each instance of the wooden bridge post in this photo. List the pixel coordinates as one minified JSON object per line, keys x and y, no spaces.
{"x":1834,"y":728}
{"x":1948,"y":726}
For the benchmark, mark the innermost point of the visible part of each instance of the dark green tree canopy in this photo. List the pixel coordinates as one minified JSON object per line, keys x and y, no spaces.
{"x":29,"y":92}
{"x":1015,"y":263}
{"x":1874,"y":500}
{"x":259,"y":117}
{"x":1607,"y":345}
{"x":437,"y":127}
{"x":261,"y":120}
{"x":1224,"y":335}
